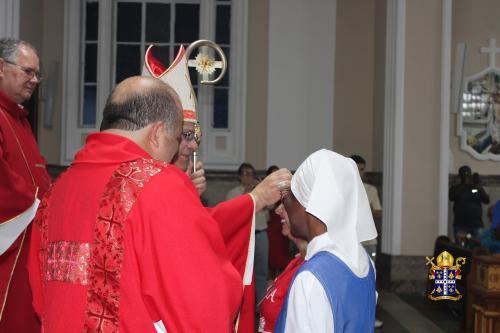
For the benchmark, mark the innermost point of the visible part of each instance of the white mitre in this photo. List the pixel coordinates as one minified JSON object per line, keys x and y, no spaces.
{"x":177,"y":76}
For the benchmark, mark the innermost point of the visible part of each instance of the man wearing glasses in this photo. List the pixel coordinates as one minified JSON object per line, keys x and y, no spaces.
{"x":234,"y":217}
{"x":24,"y":180}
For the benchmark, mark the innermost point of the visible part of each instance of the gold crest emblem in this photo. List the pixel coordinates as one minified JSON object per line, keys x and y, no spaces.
{"x":445,"y":276}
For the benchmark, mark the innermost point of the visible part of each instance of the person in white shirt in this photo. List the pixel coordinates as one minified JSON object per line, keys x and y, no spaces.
{"x":334,"y":290}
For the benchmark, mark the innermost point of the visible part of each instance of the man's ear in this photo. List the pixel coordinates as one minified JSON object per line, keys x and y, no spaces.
{"x":2,"y":65}
{"x":156,"y":134}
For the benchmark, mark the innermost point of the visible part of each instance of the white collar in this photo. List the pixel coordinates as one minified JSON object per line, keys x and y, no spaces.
{"x":318,"y":244}
{"x":324,"y":243}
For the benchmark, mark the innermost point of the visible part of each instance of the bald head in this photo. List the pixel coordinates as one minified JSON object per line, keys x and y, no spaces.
{"x":138,"y":85}
{"x":140,"y":101}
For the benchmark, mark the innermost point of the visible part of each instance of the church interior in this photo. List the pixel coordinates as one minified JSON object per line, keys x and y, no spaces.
{"x":413,"y":86}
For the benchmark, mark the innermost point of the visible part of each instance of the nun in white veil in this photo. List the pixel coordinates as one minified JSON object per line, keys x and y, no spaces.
{"x":328,"y":207}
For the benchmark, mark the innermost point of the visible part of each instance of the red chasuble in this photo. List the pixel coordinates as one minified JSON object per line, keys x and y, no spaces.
{"x":22,"y":170}
{"x":235,"y":219}
{"x":122,"y":241}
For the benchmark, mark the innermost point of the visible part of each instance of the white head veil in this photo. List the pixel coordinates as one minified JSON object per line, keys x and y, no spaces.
{"x":329,"y":187}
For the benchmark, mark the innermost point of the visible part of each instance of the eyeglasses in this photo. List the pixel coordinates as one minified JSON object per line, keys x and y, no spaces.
{"x":30,"y":72}
{"x":189,"y":136}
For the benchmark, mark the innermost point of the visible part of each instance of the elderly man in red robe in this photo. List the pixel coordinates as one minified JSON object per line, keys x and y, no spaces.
{"x":24,"y":179}
{"x":235,"y":217}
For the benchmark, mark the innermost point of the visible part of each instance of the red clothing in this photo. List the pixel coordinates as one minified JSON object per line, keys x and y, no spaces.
{"x":22,"y":170}
{"x":247,"y":312}
{"x":235,"y":219}
{"x":122,"y":241}
{"x":275,"y":296}
{"x":279,"y":250}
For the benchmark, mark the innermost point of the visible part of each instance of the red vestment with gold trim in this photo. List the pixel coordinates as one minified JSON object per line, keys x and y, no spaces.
{"x":22,"y":170}
{"x":122,"y":241}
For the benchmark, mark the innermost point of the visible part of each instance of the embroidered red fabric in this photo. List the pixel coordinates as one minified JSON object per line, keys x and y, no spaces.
{"x":41,"y":220}
{"x":68,"y":262}
{"x":119,"y":196}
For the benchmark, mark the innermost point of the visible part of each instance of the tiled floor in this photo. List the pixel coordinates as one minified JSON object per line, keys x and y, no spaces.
{"x":401,"y":317}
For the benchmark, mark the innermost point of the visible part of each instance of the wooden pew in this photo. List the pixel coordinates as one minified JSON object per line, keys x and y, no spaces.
{"x":483,"y":304}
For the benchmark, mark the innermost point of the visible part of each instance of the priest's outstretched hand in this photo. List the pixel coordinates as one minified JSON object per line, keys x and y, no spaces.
{"x":268,"y":191}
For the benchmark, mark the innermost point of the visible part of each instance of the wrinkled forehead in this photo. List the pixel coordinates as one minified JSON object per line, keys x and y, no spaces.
{"x":26,"y":56}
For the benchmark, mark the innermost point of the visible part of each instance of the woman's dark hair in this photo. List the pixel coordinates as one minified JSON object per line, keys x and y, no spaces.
{"x":244,"y":166}
{"x":358,"y":159}
{"x":271,"y":169}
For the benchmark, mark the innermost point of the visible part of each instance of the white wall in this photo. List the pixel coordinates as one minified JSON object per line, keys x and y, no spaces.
{"x":9,"y":18}
{"x":301,"y":79}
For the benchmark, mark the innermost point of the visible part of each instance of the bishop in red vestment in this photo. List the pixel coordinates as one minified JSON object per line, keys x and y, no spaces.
{"x":23,"y":180}
{"x":234,"y":217}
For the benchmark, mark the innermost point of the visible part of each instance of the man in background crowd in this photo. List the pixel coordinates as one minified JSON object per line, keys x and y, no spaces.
{"x":468,"y":197}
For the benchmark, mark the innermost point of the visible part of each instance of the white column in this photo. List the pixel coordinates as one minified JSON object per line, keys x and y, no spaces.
{"x":9,"y":18}
{"x":394,"y":126}
{"x":301,"y":79}
{"x":70,"y":133}
{"x":105,"y":51}
{"x":444,"y":139}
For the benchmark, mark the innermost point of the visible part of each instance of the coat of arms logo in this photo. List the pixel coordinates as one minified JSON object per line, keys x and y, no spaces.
{"x":445,"y":276}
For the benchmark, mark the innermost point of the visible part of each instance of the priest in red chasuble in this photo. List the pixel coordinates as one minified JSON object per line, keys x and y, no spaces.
{"x":235,"y":217}
{"x":24,"y":179}
{"x":121,"y":242}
